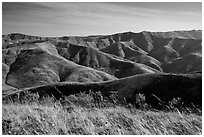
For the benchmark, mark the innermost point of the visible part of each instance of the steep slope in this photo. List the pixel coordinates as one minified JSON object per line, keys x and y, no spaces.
{"x":161,"y":46}
{"x":124,"y":50}
{"x":41,"y":64}
{"x":148,"y":48}
{"x":96,"y":59}
{"x":187,"y":46}
{"x":165,"y":54}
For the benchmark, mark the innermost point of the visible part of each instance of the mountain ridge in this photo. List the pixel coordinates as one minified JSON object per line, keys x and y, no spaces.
{"x":114,"y":56}
{"x":162,"y":64}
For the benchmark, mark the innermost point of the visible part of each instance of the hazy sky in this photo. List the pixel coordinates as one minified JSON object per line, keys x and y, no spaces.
{"x":60,"y":19}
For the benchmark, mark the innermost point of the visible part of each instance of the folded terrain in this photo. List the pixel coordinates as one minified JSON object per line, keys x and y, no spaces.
{"x":130,"y":63}
{"x":150,"y":48}
{"x":40,"y":64}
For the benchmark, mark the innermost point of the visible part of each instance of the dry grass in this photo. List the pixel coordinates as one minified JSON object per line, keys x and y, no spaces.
{"x":83,"y":114}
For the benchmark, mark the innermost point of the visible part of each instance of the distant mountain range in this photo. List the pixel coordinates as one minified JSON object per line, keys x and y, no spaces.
{"x":29,"y":61}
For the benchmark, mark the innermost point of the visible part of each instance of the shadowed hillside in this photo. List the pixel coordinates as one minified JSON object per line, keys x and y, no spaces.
{"x":188,"y":63}
{"x":158,"y":88}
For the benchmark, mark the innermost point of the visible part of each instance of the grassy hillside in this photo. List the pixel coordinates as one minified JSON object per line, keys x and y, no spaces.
{"x":126,"y":83}
{"x":92,"y":57}
{"x":41,"y":64}
{"x":88,"y":114}
{"x":37,"y":64}
{"x":188,"y":88}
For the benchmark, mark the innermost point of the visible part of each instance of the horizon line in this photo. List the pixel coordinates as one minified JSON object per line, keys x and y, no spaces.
{"x":102,"y":34}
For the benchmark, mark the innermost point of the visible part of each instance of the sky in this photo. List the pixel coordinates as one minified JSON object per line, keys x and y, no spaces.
{"x":82,"y":19}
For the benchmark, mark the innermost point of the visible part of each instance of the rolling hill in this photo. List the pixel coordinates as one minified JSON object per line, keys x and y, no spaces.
{"x":188,"y":88}
{"x":149,"y":48}
{"x":41,"y":64}
{"x":91,"y":57}
{"x":137,"y":62}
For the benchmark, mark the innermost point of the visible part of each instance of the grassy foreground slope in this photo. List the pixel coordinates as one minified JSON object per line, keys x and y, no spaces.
{"x":82,"y":114}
